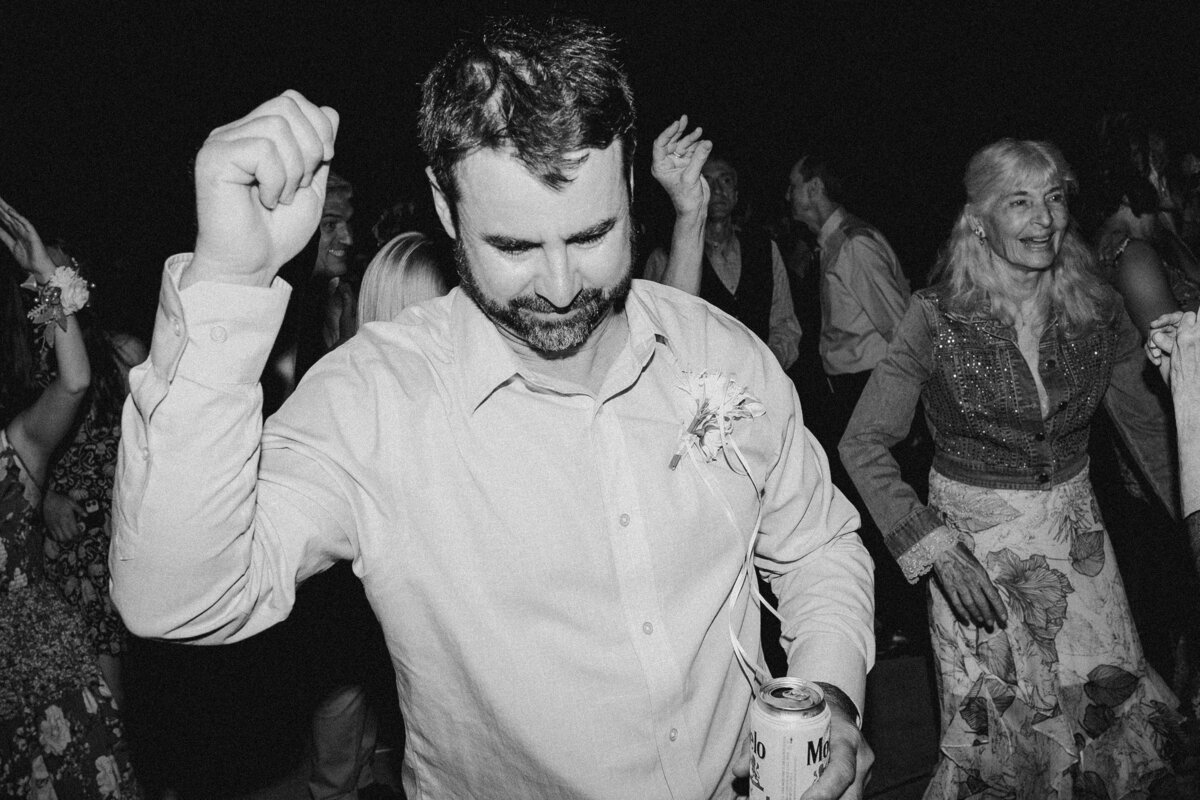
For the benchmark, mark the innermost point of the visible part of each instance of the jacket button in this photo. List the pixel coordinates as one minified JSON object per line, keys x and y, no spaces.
{"x":1043,"y":478}
{"x":1062,"y":405}
{"x":1039,"y":436}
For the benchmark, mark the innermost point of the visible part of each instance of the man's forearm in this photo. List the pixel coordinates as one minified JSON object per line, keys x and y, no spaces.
{"x":687,"y":252}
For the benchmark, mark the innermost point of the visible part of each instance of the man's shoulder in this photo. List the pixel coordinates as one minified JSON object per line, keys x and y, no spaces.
{"x":701,"y":336}
{"x":414,"y":344}
{"x":864,"y":241}
{"x":677,"y":314}
{"x":854,"y":227}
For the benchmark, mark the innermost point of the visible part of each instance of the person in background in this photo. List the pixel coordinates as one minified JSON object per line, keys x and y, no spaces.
{"x":863,"y":294}
{"x":60,"y":735}
{"x":1147,"y":262}
{"x":1044,"y":690}
{"x":740,"y":271}
{"x":403,"y":273}
{"x":77,"y":504}
{"x":321,"y":311}
{"x":1155,"y":273}
{"x":560,"y":567}
{"x":863,"y":290}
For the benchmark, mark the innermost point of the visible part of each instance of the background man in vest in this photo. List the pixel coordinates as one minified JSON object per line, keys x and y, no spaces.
{"x":741,"y":271}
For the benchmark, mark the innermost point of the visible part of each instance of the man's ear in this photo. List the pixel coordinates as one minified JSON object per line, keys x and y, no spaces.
{"x":441,"y":204}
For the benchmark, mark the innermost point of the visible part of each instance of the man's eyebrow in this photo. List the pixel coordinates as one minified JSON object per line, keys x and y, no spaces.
{"x":587,"y":234}
{"x":593,"y":232}
{"x":508,"y":242}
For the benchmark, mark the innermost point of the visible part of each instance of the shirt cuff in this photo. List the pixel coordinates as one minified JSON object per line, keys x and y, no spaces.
{"x":911,"y":530}
{"x":918,"y":559}
{"x":215,"y":333}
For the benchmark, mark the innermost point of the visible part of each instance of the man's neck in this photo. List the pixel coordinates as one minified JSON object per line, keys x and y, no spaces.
{"x":587,"y":365}
{"x":718,"y":231}
{"x":825,"y":210}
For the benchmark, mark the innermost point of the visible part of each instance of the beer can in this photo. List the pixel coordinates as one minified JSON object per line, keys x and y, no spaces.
{"x":789,"y":737}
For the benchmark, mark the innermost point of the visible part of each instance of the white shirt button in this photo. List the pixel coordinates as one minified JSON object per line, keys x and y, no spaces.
{"x":146,"y":453}
{"x":176,"y":326}
{"x":624,"y":520}
{"x":674,"y":734}
{"x":219,"y":334}
{"x":647,"y":628}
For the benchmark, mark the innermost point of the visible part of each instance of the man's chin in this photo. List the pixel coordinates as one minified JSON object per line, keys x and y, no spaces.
{"x":558,"y":341}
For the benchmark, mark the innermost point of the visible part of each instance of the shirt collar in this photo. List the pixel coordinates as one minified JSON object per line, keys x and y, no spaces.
{"x":831,"y":225}
{"x":486,"y":361}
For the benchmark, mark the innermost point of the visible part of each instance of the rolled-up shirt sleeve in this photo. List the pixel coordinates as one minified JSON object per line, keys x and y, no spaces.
{"x":203,"y":549}
{"x":811,"y":554}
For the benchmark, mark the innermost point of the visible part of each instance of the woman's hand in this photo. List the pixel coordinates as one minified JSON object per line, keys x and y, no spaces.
{"x":676,"y":162}
{"x":1161,"y":341}
{"x":22,"y":240}
{"x":63,"y":516}
{"x":968,"y":589}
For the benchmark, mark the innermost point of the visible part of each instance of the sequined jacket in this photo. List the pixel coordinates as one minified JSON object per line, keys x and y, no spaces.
{"x":982,"y":408}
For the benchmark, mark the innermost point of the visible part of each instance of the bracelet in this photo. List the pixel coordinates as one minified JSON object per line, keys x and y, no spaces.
{"x":65,"y":293}
{"x":836,"y":697}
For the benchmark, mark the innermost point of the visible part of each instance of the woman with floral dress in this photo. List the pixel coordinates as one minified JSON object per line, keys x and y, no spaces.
{"x":59,"y":733}
{"x":1044,"y":690}
{"x":78,"y":500}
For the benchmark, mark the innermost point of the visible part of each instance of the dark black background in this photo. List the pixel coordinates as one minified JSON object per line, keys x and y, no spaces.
{"x":103,"y":105}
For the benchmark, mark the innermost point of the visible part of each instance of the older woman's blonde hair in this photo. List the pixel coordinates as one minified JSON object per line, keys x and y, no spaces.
{"x":404,"y":271}
{"x":966,"y":271}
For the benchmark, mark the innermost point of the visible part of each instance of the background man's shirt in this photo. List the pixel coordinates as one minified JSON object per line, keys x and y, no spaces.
{"x":863,"y":294}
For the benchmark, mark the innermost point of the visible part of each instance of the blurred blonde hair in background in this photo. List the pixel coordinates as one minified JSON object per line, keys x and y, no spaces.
{"x":404,"y":271}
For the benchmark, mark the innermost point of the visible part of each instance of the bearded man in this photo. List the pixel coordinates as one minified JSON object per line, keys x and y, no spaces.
{"x":548,"y":480}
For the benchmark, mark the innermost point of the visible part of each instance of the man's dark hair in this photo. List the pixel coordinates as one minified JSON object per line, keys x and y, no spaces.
{"x":822,"y":165}
{"x":543,"y":88}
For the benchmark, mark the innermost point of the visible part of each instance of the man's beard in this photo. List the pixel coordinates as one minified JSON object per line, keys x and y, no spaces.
{"x":551,"y":337}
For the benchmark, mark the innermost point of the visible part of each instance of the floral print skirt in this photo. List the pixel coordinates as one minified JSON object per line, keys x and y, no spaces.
{"x":1060,"y":703}
{"x":60,"y":736}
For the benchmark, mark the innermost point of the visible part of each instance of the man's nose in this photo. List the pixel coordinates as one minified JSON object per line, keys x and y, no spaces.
{"x":558,"y":281}
{"x":346,"y":234}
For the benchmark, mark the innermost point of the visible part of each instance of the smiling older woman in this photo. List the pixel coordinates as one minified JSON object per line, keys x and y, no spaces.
{"x":1044,"y":689}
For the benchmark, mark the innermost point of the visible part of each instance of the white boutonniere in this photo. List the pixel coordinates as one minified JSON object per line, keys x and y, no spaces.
{"x":718,"y":403}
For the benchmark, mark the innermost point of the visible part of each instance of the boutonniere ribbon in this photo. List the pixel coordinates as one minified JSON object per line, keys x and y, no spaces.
{"x":719,"y":402}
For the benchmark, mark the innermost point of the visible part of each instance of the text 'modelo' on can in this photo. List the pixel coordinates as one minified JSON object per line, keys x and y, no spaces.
{"x":789,"y":738}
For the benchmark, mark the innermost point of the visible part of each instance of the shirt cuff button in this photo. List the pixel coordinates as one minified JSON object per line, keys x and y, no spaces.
{"x":219,"y":334}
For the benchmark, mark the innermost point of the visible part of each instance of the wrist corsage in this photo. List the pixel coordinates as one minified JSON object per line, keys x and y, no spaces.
{"x":719,"y":402}
{"x":65,"y":293}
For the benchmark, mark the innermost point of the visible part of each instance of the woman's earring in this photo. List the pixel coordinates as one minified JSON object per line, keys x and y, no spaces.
{"x":978,"y":231}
